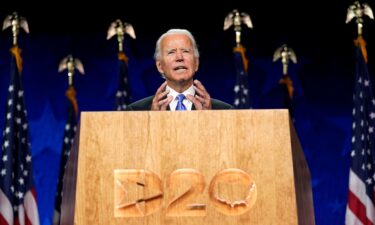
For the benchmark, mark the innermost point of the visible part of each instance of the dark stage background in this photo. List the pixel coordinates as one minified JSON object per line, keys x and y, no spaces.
{"x":323,"y":76}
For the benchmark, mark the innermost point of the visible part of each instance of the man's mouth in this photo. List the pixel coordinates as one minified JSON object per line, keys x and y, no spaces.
{"x":180,"y":68}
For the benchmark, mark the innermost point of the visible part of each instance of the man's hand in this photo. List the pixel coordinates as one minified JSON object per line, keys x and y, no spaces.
{"x":161,"y":99}
{"x":201,"y":100}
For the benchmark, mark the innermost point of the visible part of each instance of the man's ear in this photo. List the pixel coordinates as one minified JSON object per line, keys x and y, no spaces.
{"x":158,"y":66}
{"x":196,"y":65}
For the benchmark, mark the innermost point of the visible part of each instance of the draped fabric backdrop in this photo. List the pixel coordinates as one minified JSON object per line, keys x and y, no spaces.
{"x":323,"y":78}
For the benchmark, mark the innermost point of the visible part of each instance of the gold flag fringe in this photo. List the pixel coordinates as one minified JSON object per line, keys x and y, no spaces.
{"x":16,"y":52}
{"x":289,"y":84}
{"x":362,"y":44}
{"x":242,"y":51}
{"x":71,"y":95}
{"x":123,"y":57}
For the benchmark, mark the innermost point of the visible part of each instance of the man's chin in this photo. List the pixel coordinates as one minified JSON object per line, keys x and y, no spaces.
{"x":182,"y":79}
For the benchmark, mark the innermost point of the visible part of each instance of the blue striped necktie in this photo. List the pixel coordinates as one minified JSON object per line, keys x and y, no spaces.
{"x":180,"y":106}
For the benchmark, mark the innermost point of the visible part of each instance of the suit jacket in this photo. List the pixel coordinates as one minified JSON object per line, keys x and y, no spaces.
{"x":145,"y":104}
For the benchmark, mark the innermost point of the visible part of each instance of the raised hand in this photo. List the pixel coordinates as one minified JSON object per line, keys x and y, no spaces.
{"x":161,"y":99}
{"x":201,"y":100}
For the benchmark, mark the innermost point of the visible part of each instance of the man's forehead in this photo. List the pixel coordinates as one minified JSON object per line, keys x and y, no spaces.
{"x":174,"y":39}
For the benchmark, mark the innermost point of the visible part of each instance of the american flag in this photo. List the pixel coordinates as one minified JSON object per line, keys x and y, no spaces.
{"x":18,"y":203}
{"x":241,"y":90}
{"x":361,"y":198}
{"x":122,"y":94}
{"x":69,"y":133}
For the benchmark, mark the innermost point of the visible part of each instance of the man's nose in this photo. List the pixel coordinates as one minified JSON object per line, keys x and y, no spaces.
{"x":179,"y":55}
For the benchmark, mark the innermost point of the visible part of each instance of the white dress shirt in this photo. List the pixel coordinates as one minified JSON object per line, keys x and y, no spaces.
{"x":188,"y":104}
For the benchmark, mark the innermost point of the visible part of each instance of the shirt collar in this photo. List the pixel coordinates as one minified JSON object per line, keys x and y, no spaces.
{"x":189,"y":91}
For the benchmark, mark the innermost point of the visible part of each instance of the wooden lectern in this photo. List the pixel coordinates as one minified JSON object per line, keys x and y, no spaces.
{"x":218,"y":167}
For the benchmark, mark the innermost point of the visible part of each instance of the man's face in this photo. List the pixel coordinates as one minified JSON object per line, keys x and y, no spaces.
{"x":177,"y":61}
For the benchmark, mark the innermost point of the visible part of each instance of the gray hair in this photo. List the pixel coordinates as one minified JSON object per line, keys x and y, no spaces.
{"x":157,"y":53}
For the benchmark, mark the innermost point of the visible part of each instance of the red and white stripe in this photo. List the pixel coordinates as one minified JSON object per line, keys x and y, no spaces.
{"x":27,"y":212}
{"x":6,"y":210}
{"x":360,"y":209}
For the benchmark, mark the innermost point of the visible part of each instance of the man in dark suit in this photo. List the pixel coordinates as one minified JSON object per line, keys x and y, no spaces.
{"x":177,"y":59}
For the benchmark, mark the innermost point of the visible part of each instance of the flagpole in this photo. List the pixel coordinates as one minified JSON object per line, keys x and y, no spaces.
{"x":70,"y":64}
{"x":119,"y":29}
{"x":242,"y":96}
{"x":286,"y":54}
